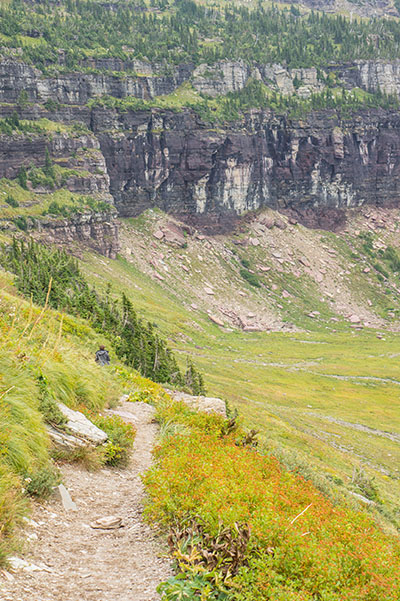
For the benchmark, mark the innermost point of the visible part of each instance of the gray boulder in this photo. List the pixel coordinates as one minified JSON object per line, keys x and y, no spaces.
{"x":201,"y":403}
{"x":79,"y":431}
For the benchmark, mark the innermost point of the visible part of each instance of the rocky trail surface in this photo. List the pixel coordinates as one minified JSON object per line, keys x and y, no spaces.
{"x":68,"y":560}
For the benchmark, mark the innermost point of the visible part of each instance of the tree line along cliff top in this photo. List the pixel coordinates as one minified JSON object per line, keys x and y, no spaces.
{"x":79,"y":34}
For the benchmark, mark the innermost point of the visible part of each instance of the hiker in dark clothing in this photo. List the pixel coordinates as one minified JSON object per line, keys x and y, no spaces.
{"x":102,"y":356}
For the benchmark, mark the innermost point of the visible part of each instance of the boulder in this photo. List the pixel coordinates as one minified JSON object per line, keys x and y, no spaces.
{"x":202,"y":403}
{"x":279,"y":223}
{"x":78,"y":432}
{"x":110,"y":522}
{"x":174,"y":234}
{"x":216,"y":320}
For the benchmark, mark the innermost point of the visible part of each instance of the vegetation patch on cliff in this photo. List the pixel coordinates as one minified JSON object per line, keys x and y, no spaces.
{"x":255,"y":94}
{"x":23,"y":206}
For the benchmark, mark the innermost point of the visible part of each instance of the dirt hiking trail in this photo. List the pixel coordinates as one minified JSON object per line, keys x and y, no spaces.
{"x":79,"y":563}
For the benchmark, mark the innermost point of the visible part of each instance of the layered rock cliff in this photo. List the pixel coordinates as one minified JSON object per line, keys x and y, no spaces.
{"x":78,"y":88}
{"x":315,"y":167}
{"x":98,"y":231}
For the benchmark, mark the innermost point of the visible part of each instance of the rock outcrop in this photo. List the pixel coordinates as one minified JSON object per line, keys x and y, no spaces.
{"x":77,"y":432}
{"x":79,"y":88}
{"x":312,"y":168}
{"x":98,"y":231}
{"x":200,"y":403}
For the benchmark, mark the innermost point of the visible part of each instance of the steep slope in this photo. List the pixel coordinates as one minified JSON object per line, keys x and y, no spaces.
{"x":309,"y":357}
{"x":45,"y":358}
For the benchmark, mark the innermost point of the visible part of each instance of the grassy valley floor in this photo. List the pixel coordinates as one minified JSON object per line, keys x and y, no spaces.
{"x":324,"y":394}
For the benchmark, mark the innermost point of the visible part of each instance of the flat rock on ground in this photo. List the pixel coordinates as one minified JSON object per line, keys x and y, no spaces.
{"x":201,"y":403}
{"x":85,"y":564}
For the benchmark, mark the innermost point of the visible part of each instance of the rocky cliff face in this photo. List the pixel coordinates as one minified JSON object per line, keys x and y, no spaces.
{"x":79,"y":88}
{"x":147,"y":81}
{"x":316,"y":167}
{"x":97,"y":231}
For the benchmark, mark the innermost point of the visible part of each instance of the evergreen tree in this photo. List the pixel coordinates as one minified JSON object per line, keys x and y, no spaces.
{"x":48,"y":168}
{"x":134,"y":341}
{"x":23,"y":178}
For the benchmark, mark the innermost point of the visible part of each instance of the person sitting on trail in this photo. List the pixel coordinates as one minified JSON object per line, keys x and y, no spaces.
{"x":102,"y":356}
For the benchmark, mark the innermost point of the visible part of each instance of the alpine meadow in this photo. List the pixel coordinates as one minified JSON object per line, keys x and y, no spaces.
{"x":200,"y":300}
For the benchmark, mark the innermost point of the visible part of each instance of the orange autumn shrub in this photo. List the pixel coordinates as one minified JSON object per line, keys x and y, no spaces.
{"x":302,"y":547}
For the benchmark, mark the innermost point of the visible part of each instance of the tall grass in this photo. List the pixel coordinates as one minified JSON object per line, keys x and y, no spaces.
{"x":39,"y":347}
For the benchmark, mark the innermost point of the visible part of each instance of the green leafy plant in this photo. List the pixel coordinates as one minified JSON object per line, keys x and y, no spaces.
{"x":251,"y":278}
{"x":21,"y":222}
{"x":10,"y":200}
{"x":40,"y":483}
{"x":188,"y":586}
{"x":48,"y":405}
{"x":121,"y":436}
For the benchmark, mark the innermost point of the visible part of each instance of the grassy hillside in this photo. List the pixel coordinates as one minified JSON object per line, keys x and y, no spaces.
{"x":45,"y":356}
{"x":324,"y":394}
{"x":323,"y":398}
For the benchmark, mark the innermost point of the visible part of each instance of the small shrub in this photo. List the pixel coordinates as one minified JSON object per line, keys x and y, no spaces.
{"x":392,"y":259}
{"x":120,"y":438}
{"x":246,"y":263}
{"x":90,"y":458}
{"x":41,"y":482}
{"x":381,"y":270}
{"x":48,"y":405}
{"x":251,"y":278}
{"x":21,"y":222}
{"x":38,"y":178}
{"x":55,"y":208}
{"x":13,"y":202}
{"x":365,"y":485}
{"x":51,"y":105}
{"x":191,"y":586}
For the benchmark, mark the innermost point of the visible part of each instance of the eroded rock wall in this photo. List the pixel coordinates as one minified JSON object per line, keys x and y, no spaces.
{"x":97,"y":231}
{"x":146,"y":81}
{"x":210,"y":176}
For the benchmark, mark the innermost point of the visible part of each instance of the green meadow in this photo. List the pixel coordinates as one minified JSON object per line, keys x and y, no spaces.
{"x":325,"y":402}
